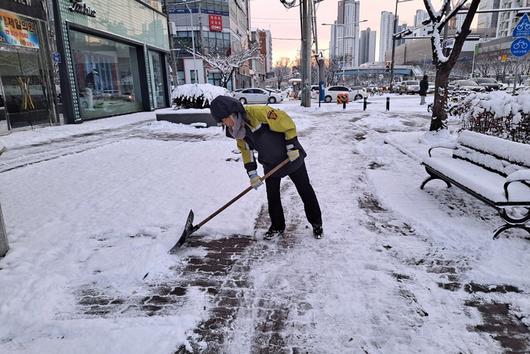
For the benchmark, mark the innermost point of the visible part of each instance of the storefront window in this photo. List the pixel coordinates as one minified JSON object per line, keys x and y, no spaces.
{"x":156,"y":74}
{"x":24,"y":91}
{"x":107,"y":74}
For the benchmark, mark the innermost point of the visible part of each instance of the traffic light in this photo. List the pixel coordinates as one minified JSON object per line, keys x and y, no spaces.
{"x":387,"y":66}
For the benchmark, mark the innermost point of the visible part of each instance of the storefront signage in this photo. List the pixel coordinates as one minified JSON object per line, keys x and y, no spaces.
{"x":80,"y":7}
{"x":18,"y":31}
{"x":216,"y":23}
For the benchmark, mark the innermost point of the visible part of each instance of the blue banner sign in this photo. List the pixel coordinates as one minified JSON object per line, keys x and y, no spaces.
{"x":523,"y":27}
{"x":520,"y":47}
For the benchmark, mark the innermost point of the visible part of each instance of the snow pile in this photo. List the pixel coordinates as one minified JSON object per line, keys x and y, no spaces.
{"x":498,"y":113}
{"x":196,"y":95}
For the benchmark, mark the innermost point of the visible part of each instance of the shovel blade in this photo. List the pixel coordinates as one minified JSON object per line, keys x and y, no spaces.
{"x":188,"y":230}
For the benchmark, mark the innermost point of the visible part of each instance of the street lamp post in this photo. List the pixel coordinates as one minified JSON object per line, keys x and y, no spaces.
{"x":394,"y":30}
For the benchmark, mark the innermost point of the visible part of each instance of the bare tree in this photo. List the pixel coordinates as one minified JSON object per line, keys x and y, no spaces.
{"x":227,"y":65}
{"x":334,"y":72}
{"x":445,"y":59}
{"x":282,"y":70}
{"x":484,"y":63}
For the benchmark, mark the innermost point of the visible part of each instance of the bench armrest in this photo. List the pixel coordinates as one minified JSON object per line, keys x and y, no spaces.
{"x":450,"y":146}
{"x":517,"y":176}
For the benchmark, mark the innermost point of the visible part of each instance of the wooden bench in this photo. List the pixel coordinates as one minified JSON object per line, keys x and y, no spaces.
{"x":494,"y":170}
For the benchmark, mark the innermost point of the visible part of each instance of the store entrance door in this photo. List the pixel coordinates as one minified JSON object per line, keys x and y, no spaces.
{"x":158,"y":83}
{"x":23,"y":88}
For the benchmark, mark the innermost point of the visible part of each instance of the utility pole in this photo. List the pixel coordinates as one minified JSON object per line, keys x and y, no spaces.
{"x":305,"y":21}
{"x":318,"y":56}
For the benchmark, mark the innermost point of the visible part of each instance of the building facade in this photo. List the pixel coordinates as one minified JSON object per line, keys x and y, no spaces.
{"x":367,"y":46}
{"x":262,"y":68}
{"x":216,"y":27}
{"x":112,"y":57}
{"x":26,"y":71}
{"x":386,"y":31}
{"x":508,"y":20}
{"x":487,"y":22}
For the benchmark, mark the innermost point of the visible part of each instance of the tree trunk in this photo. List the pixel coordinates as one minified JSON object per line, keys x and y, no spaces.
{"x":439,"y":114}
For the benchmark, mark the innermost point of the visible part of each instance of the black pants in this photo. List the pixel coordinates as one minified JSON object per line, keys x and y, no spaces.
{"x":304,"y":188}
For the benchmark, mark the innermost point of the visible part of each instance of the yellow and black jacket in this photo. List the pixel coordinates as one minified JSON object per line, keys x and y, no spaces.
{"x":269,"y":131}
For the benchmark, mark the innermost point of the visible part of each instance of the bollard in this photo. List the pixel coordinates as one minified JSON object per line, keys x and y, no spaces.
{"x":343,"y":104}
{"x":365,"y":103}
{"x":388,"y":103}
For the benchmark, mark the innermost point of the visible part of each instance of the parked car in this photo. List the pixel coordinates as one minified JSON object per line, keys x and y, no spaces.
{"x":330,"y":94}
{"x":431,"y":88}
{"x":257,"y":95}
{"x":358,"y":93}
{"x":282,"y":94}
{"x":412,"y":87}
{"x":488,"y":83}
{"x":314,"y":91}
{"x":466,"y":85}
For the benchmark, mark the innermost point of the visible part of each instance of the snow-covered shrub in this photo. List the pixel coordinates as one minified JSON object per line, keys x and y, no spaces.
{"x":499,"y":114}
{"x":196,"y":95}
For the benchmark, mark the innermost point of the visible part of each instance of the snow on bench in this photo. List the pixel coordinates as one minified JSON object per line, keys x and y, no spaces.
{"x":494,"y":170}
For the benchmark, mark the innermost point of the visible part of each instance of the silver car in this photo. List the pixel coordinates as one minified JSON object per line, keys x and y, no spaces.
{"x":466,"y":85}
{"x":257,"y":95}
{"x":412,"y":87}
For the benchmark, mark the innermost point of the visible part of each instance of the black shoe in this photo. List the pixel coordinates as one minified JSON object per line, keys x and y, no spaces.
{"x":272,"y":233}
{"x":318,"y":232}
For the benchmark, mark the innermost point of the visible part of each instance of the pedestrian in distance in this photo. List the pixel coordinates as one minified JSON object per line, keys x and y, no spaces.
{"x":424,"y":86}
{"x":272,"y":134}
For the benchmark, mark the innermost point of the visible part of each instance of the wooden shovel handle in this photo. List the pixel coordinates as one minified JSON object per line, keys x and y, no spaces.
{"x":248,"y":189}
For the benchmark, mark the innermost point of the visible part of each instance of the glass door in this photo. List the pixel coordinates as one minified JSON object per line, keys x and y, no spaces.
{"x":24,"y":89}
{"x":156,"y":73}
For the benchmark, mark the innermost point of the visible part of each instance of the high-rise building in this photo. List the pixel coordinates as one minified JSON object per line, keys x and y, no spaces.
{"x":367,"y":46}
{"x":419,"y":17}
{"x":340,"y":12}
{"x":351,"y":31}
{"x":508,"y":20}
{"x":344,"y":39}
{"x":419,"y":29}
{"x":487,"y":22}
{"x":386,"y":31}
{"x":336,"y":41}
{"x":213,"y":27}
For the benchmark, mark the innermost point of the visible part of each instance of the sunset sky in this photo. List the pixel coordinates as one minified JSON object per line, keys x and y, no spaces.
{"x":283,"y":23}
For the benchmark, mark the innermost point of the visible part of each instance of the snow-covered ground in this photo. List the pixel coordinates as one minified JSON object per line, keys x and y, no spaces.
{"x":91,"y":211}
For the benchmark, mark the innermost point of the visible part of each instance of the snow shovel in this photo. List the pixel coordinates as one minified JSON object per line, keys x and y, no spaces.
{"x":189,"y":228}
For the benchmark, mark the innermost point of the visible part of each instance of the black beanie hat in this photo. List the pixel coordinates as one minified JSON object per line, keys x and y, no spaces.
{"x":223,"y":106}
